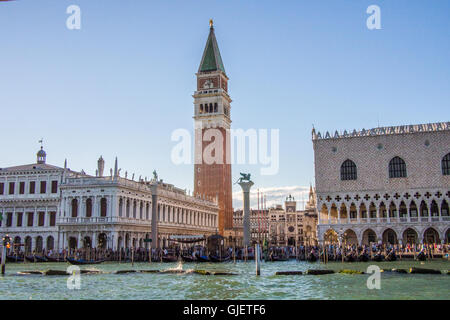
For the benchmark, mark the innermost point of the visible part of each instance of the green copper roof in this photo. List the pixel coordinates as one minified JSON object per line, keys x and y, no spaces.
{"x":211,"y":60}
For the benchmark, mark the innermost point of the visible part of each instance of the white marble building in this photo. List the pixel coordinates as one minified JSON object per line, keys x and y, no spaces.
{"x":49,"y":207}
{"x":30,"y":201}
{"x":389,"y":185}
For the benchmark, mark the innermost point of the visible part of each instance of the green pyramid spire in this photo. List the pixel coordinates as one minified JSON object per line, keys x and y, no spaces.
{"x":211,"y":60}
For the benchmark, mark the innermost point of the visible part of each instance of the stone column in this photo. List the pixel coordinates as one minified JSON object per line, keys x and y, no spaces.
{"x":155,"y":237}
{"x":246,"y":200}
{"x":429,"y":211}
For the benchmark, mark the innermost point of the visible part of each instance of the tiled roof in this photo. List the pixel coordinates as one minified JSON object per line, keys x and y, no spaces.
{"x":33,"y":166}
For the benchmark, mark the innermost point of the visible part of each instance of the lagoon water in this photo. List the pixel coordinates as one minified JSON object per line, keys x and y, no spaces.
{"x":244,"y":285}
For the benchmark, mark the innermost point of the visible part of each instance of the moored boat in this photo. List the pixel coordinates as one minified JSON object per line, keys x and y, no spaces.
{"x":214,"y":258}
{"x":53,"y":259}
{"x":378,"y":257}
{"x":311,"y":257}
{"x":169,"y":258}
{"x":202,"y":258}
{"x":188,"y":258}
{"x":14,"y":259}
{"x":350,"y":257}
{"x":82,"y":261}
{"x":391,"y":256}
{"x":36,"y":259}
{"x":277,"y":258}
{"x":421,"y":256}
{"x":363,"y":257}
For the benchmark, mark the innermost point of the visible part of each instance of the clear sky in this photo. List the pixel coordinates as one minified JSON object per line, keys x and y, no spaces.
{"x":124,"y":82}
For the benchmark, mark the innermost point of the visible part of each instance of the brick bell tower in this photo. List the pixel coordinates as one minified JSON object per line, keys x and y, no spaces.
{"x":212,"y":111}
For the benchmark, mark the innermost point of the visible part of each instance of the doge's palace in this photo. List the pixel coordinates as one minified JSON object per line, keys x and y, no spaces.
{"x":389,"y":184}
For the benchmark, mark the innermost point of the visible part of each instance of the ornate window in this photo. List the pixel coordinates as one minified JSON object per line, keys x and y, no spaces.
{"x":348,"y":170}
{"x":446,"y":165}
{"x":397,"y":168}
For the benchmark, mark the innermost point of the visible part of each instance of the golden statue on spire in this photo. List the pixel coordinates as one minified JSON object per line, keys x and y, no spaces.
{"x":210,"y":23}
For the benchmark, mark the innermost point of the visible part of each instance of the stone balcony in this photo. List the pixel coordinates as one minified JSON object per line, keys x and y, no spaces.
{"x":123,"y":220}
{"x":385,"y":220}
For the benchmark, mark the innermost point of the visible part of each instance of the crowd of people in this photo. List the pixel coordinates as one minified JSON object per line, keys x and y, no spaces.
{"x":279,"y":253}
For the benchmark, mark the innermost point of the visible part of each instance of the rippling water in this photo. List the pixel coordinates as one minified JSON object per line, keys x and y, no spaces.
{"x":244,"y":285}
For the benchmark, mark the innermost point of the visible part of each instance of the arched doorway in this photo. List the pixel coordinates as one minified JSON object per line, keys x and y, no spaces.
{"x":369,"y":236}
{"x":127,"y":240}
{"x":102,"y":241}
{"x":447,"y":236}
{"x":330,"y":237}
{"x":28,"y":244}
{"x":39,"y":244}
{"x":119,"y":243}
{"x":73,"y":243}
{"x":50,"y":243}
{"x":431,"y":236}
{"x":350,"y":237}
{"x":17,"y":242}
{"x":87,"y":242}
{"x":410,"y":236}
{"x":389,"y":236}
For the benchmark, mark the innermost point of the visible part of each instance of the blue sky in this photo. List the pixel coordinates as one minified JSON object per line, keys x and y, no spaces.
{"x":124,"y":82}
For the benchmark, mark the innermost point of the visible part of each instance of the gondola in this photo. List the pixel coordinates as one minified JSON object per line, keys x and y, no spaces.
{"x":421,"y":256}
{"x":36,"y":259}
{"x":202,"y":258}
{"x":391,"y":256}
{"x":311,"y":257}
{"x":277,"y":258}
{"x":188,"y":258}
{"x":378,"y":257}
{"x":349,"y":258}
{"x":82,"y":261}
{"x":52,"y":259}
{"x":363,"y":257}
{"x":169,"y":258}
{"x":214,"y":258}
{"x":14,"y":259}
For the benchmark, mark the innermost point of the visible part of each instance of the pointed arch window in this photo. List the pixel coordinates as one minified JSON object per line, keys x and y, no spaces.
{"x":446,"y":165}
{"x":397,"y":168}
{"x":348,"y":170}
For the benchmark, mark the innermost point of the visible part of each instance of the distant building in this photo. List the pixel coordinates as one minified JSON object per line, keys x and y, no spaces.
{"x":30,"y":199}
{"x":259,"y":224}
{"x":289,"y":226}
{"x":384,"y":185}
{"x":44,"y":206}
